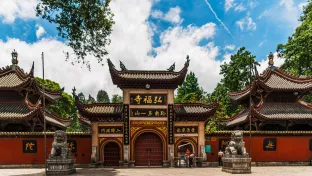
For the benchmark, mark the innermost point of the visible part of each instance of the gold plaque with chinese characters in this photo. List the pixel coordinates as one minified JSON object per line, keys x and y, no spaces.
{"x":148,"y":112}
{"x":148,"y":99}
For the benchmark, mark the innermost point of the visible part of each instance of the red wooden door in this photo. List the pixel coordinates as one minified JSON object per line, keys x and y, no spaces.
{"x":148,"y":150}
{"x":111,"y":154}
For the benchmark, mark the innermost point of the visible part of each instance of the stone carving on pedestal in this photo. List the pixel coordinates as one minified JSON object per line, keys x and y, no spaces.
{"x":61,"y":161}
{"x":236,"y":160}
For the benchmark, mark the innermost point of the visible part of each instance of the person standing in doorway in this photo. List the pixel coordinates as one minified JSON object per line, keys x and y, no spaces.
{"x":220,"y":156}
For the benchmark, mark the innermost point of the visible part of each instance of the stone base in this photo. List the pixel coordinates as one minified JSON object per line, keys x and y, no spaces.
{"x":166,"y":163}
{"x":131,"y":163}
{"x":60,"y":166}
{"x":236,"y":165}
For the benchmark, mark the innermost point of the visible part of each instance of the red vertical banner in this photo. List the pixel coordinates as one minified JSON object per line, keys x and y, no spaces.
{"x":170,"y":124}
{"x":126,"y":124}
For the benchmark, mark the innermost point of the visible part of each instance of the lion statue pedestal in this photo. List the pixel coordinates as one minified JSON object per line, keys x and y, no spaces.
{"x":61,"y":161}
{"x":236,"y":160}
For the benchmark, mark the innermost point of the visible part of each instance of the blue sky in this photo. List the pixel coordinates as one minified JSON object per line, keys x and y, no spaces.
{"x":153,"y":34}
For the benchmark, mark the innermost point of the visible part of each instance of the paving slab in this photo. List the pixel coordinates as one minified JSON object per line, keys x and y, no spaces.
{"x":256,"y":171}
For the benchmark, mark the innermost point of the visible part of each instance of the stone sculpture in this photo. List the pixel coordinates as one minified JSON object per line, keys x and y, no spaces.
{"x":60,"y":149}
{"x":61,"y":161}
{"x":236,"y":160}
{"x":236,"y":145}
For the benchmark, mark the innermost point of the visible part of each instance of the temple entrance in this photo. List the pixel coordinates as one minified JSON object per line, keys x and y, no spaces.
{"x":111,"y":154}
{"x":183,"y":146}
{"x":148,"y":150}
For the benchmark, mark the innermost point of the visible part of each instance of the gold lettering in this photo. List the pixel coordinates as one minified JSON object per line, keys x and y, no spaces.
{"x":150,"y":113}
{"x":178,"y":130}
{"x":103,"y":130}
{"x":155,"y":99}
{"x":193,"y":130}
{"x":270,"y":145}
{"x":113,"y":130}
{"x":156,"y":113}
{"x":138,"y":99}
{"x":29,"y":145}
{"x":188,"y":130}
{"x":108,"y":130}
{"x":149,"y":100}
{"x":159,"y":100}
{"x":183,"y":130}
{"x":162,"y":113}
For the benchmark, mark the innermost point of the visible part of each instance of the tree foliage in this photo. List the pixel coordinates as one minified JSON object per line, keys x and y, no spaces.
{"x":298,"y":49}
{"x":236,"y":73}
{"x":75,"y":125}
{"x":64,"y":106}
{"x":117,"y":98}
{"x":91,"y":100}
{"x":102,"y":97}
{"x":82,"y":98}
{"x":84,"y":24}
{"x":189,"y":91}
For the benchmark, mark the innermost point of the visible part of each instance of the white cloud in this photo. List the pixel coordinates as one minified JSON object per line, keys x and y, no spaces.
{"x":287,"y":11}
{"x":229,"y":47}
{"x":226,"y":58}
{"x":253,"y":4}
{"x":228,"y":4}
{"x":131,"y":43}
{"x":264,"y":62}
{"x":173,"y":15}
{"x":12,"y":9}
{"x":261,"y":43}
{"x":40,"y":31}
{"x":246,"y":23}
{"x":240,"y":8}
{"x":157,"y":14}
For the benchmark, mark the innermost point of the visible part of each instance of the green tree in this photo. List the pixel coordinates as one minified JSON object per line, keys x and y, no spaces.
{"x":91,"y":100}
{"x":82,"y":98}
{"x":84,"y":24}
{"x":189,"y":91}
{"x":64,"y":106}
{"x":102,"y":97}
{"x":75,"y":125}
{"x":236,"y":73}
{"x":117,"y":98}
{"x":298,"y":49}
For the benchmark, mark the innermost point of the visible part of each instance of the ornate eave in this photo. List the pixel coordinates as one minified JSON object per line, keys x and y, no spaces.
{"x":194,"y":111}
{"x":101,"y":112}
{"x":274,"y":79}
{"x":140,"y":78}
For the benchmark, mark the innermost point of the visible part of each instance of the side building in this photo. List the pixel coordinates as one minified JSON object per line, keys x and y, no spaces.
{"x":21,"y":101}
{"x":277,"y":103}
{"x":147,"y":129}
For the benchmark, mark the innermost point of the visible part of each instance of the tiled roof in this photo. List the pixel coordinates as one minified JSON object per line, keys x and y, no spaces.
{"x":291,"y":111}
{"x":275,"y":111}
{"x":239,"y":118}
{"x":277,"y":80}
{"x":193,"y":111}
{"x":55,"y":122}
{"x":15,"y":110}
{"x":99,"y":108}
{"x":139,"y":78}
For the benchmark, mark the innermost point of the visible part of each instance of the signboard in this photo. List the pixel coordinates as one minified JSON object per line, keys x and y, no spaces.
{"x":72,"y":145}
{"x":310,"y":146}
{"x":148,"y":99}
{"x":223,"y":143}
{"x":207,"y":148}
{"x":110,"y":129}
{"x":269,"y":144}
{"x":148,"y":112}
{"x":185,"y":129}
{"x":29,"y":146}
{"x":170,"y":124}
{"x":126,"y":124}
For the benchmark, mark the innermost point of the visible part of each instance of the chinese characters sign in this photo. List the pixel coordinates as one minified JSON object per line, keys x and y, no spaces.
{"x":29,"y":146}
{"x":126,"y":124}
{"x":110,"y":129}
{"x":184,"y":129}
{"x":170,"y":124}
{"x":148,"y":99}
{"x":223,"y":143}
{"x":269,"y":144}
{"x":72,"y":145}
{"x":148,"y":112}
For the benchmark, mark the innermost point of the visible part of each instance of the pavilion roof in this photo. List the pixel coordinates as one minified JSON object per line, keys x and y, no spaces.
{"x":274,"y":111}
{"x":275,"y":79}
{"x":157,"y":79}
{"x":100,"y":111}
{"x":194,"y":111}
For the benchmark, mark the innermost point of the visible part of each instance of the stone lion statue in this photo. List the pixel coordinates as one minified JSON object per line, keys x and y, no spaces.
{"x":60,"y":149}
{"x":236,"y":145}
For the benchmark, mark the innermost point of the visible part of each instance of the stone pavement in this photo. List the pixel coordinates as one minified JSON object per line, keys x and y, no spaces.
{"x":256,"y":171}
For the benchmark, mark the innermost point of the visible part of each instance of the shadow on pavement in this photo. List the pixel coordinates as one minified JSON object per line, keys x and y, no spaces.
{"x":83,"y":171}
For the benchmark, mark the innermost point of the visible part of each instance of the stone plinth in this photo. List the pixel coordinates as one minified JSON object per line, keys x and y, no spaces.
{"x":236,"y":165}
{"x":60,"y":166}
